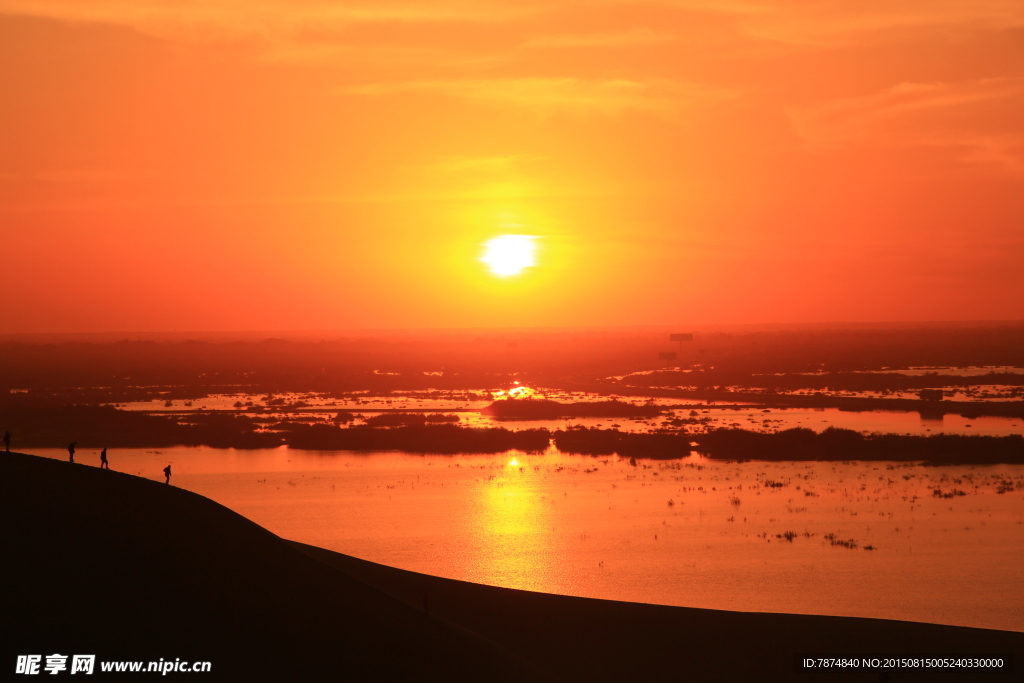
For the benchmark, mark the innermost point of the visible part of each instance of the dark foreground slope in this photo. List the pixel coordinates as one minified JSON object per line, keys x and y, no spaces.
{"x":104,"y":563}
{"x":581,"y":639}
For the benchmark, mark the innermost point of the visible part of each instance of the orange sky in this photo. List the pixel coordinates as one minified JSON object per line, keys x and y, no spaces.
{"x":300,"y":164}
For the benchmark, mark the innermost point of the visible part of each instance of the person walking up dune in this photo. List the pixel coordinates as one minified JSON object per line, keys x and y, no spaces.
{"x":71,"y":451}
{"x":103,"y":460}
{"x":167,"y":473}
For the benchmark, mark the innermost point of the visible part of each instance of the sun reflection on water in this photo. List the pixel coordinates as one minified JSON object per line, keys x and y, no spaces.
{"x":517,"y":391}
{"x":514,"y":527}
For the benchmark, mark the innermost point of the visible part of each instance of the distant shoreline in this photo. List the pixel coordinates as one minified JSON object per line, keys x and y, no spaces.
{"x":106,"y":427}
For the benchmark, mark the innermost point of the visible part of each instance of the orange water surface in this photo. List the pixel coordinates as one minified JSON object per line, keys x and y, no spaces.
{"x":752,"y":536}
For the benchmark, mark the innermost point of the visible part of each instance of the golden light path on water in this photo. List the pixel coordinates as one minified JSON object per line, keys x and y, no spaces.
{"x":512,"y":516}
{"x":750,"y":536}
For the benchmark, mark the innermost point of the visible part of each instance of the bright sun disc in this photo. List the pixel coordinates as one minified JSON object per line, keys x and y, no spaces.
{"x":509,"y":254}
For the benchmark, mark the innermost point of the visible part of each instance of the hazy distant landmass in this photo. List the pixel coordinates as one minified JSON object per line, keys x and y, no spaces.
{"x":474,"y":359}
{"x":56,"y":391}
{"x":836,"y":381}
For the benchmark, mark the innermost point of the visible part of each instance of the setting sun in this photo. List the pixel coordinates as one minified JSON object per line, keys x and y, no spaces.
{"x":509,"y":254}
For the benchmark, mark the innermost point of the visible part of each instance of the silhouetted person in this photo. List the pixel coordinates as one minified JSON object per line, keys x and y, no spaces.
{"x":103,"y":460}
{"x":71,"y":451}
{"x":7,"y":441}
{"x":167,"y":473}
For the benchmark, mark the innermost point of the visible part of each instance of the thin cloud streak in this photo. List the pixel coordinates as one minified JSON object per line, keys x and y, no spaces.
{"x":624,"y":39}
{"x":197,"y":20}
{"x":824,"y":23}
{"x":925,"y":114}
{"x":546,"y":96}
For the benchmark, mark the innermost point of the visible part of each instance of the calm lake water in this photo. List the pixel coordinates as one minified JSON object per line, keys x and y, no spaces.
{"x":750,"y":536}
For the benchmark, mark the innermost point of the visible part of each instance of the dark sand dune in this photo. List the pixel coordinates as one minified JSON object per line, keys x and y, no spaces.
{"x":105,"y":563}
{"x":126,"y":568}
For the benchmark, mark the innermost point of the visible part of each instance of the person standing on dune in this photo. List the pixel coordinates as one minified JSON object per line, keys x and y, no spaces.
{"x":71,"y":451}
{"x":167,"y":473}
{"x":7,"y":441}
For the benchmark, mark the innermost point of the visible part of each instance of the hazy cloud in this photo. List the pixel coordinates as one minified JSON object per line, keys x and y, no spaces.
{"x":1003,"y":151}
{"x":492,"y":164}
{"x":549,"y":95}
{"x":980,"y":119}
{"x":199,"y":19}
{"x":925,"y":103}
{"x":824,"y":20}
{"x":624,"y":39}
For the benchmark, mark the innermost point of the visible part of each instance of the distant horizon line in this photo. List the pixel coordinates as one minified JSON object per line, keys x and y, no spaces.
{"x":308,"y":333}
